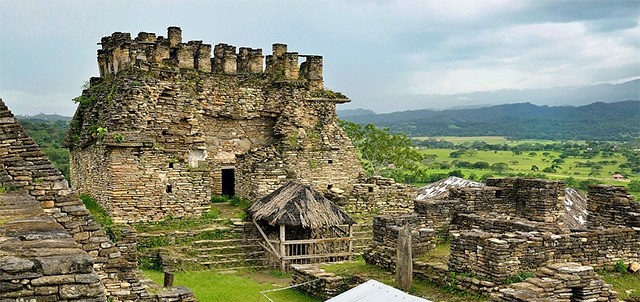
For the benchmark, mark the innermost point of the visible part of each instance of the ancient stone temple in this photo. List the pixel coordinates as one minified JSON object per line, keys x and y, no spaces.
{"x":167,"y":125}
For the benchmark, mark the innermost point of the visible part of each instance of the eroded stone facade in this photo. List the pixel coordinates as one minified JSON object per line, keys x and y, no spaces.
{"x":514,"y":225}
{"x":167,"y":126}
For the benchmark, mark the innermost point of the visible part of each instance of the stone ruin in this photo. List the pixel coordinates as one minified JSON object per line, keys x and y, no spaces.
{"x":51,"y":248}
{"x":513,"y":226}
{"x":166,"y":126}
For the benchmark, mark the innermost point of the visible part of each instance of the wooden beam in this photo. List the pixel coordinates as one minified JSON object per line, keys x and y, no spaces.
{"x":282,"y":249}
{"x":350,"y":230}
{"x":273,"y":249}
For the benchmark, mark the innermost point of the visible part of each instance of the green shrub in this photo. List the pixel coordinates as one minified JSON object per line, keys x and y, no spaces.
{"x":620,"y":267}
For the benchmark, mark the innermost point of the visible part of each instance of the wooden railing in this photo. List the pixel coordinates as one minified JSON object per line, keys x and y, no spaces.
{"x":309,"y":251}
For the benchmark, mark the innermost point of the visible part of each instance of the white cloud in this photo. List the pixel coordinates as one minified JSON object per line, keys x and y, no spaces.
{"x":25,"y":103}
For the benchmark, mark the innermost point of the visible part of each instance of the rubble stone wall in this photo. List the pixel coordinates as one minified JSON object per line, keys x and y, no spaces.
{"x":326,"y":285}
{"x":161,"y":138}
{"x":383,"y":249}
{"x":611,"y":206}
{"x":498,"y":255}
{"x":26,"y":167}
{"x":559,"y":282}
{"x":379,"y":194}
{"x":38,"y":258}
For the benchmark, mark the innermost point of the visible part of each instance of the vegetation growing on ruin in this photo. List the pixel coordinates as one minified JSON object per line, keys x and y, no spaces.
{"x":328,"y":94}
{"x":101,"y":216}
{"x":626,"y":284}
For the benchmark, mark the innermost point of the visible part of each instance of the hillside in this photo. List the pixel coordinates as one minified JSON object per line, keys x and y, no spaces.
{"x":597,"y":121}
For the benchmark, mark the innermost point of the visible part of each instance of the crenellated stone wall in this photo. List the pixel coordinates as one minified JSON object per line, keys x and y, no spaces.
{"x":119,"y":52}
{"x":163,"y":131}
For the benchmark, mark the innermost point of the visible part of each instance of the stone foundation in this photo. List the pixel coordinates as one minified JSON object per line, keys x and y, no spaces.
{"x":559,"y":283}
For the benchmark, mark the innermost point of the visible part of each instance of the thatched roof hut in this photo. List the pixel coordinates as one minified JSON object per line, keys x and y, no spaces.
{"x":295,"y":204}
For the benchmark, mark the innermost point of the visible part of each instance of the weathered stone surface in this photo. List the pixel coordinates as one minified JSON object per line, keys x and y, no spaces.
{"x":74,"y":291}
{"x":13,"y":264}
{"x":57,"y":265}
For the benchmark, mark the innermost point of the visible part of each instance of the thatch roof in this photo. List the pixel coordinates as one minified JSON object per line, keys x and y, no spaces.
{"x":295,"y":204}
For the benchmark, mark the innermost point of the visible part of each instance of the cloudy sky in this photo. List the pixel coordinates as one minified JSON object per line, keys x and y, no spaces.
{"x":374,"y":51}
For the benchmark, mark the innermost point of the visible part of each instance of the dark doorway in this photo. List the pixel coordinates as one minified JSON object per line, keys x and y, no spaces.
{"x":228,"y":182}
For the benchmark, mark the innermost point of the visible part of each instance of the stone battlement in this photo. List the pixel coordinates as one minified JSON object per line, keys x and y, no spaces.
{"x":119,"y":51}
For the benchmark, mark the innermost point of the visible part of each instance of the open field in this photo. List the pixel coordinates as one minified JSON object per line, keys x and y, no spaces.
{"x":529,"y":162}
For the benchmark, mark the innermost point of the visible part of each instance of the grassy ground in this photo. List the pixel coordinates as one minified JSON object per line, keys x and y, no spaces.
{"x":419,"y":288}
{"x":627,"y":285}
{"x":241,"y":287}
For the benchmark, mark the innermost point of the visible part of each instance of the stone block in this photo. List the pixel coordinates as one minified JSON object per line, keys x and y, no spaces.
{"x":59,"y":265}
{"x":13,"y":264}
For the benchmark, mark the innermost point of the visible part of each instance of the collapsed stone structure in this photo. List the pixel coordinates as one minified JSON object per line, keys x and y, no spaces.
{"x":51,"y":248}
{"x":514,"y":225}
{"x":167,"y":126}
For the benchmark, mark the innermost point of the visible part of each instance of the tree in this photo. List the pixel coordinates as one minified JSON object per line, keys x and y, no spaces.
{"x":378,"y":149}
{"x":481,"y":165}
{"x":499,"y":167}
{"x":457,"y":153}
{"x":534,"y":168}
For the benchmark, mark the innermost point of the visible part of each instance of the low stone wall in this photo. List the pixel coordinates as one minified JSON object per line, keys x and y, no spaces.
{"x":438,"y":273}
{"x":497,"y":256}
{"x":611,"y":206}
{"x":559,"y":282}
{"x":38,"y":258}
{"x":326,"y":286}
{"x":383,"y":251}
{"x":381,"y":194}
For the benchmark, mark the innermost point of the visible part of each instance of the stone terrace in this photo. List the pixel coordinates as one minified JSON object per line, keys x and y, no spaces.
{"x":38,"y":258}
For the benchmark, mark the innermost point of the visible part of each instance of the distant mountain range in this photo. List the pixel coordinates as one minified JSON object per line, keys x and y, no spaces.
{"x":597,"y":121}
{"x":45,"y":117}
{"x":559,"y":96}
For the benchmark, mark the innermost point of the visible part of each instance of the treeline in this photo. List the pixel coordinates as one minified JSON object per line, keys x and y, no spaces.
{"x":49,"y":135}
{"x":597,"y":121}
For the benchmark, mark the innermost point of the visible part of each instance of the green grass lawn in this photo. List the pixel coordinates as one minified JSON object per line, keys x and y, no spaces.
{"x":214,"y":287}
{"x":627,"y":285}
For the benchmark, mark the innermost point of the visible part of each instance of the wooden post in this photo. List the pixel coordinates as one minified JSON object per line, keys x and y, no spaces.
{"x":350,"y":230}
{"x":168,"y":279}
{"x":282,"y":250}
{"x":404,"y":263}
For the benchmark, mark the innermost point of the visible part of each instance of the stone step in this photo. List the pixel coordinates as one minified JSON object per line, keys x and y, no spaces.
{"x":233,"y":257}
{"x":226,"y":249}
